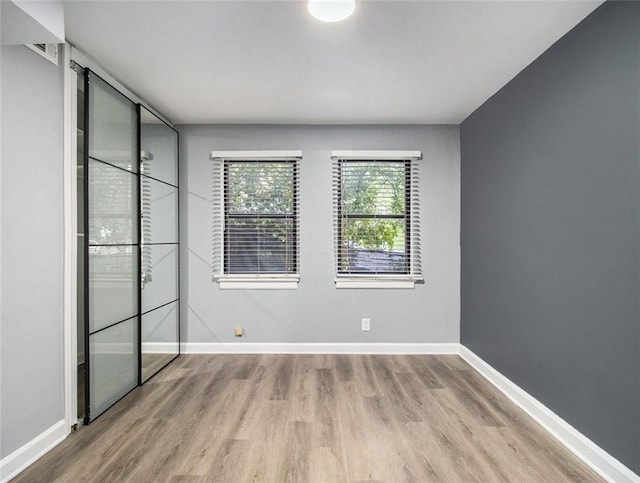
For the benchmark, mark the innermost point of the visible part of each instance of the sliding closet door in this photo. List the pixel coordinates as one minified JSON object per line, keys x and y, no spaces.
{"x":160,"y":329}
{"x":112,"y":275}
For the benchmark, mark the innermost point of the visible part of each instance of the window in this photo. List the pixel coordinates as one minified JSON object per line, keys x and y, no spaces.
{"x":257,"y":219}
{"x":376,"y":225}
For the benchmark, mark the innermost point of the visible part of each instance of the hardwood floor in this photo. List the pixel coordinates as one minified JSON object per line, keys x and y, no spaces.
{"x":152,"y":363}
{"x":316,"y":418}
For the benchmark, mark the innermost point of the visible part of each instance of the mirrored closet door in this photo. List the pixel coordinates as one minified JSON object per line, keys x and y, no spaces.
{"x":160,"y":329}
{"x":130,"y":249}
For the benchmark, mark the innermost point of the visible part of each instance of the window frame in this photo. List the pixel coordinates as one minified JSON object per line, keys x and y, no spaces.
{"x":253,"y":280}
{"x":229,"y":215}
{"x":345,"y":279}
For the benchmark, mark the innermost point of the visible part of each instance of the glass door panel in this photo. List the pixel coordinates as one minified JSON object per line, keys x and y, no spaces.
{"x":159,"y":211}
{"x":113,"y":126}
{"x":159,"y":275}
{"x":112,"y":246}
{"x":113,"y":219}
{"x":114,"y":364}
{"x":160,"y":247}
{"x":113,"y":285}
{"x":162,"y":142}
{"x":160,"y":336}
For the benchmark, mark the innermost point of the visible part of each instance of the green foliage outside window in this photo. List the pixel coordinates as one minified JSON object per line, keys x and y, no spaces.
{"x":260,"y":227}
{"x":370,"y":189}
{"x":260,"y":188}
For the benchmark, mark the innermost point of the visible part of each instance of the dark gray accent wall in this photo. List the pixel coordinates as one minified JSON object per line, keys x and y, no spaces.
{"x":550,"y":230}
{"x":31,"y":353}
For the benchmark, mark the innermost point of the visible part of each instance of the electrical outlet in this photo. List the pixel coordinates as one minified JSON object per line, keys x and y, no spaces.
{"x":239,"y":332}
{"x":366,"y":325}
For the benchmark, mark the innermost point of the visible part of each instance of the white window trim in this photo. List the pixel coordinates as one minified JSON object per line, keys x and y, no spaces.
{"x":381,"y":281}
{"x":257,"y":281}
{"x":261,"y":281}
{"x":375,"y":155}
{"x":255,"y":155}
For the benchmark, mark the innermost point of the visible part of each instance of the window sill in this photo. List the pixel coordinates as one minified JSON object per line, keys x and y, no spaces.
{"x":385,"y":282}
{"x":257,"y":282}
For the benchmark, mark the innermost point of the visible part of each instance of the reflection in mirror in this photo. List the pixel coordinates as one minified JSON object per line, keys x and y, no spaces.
{"x":159,"y":148}
{"x":113,"y":287}
{"x":112,"y":245}
{"x":113,"y":364}
{"x":159,"y":276}
{"x":113,"y":261}
{"x":112,"y":126}
{"x":159,"y":338}
{"x":112,"y":210}
{"x":159,"y":212}
{"x":160,"y":248}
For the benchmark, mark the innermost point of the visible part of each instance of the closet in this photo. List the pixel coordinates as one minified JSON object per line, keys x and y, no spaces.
{"x":128,"y":244}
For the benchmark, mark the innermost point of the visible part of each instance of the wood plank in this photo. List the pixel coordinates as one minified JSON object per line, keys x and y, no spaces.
{"x":242,"y":418}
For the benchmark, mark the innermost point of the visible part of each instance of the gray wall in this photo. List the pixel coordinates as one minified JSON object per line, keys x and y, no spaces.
{"x":32,"y":251}
{"x":317,"y":311}
{"x":550,"y":229}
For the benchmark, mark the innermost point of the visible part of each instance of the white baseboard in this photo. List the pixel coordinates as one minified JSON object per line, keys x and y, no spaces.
{"x":318,"y":348}
{"x":597,"y":458}
{"x":159,"y":348}
{"x":602,"y":462}
{"x":17,"y":461}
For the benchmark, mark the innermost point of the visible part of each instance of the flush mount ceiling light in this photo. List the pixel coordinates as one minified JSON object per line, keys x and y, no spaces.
{"x":331,"y":10}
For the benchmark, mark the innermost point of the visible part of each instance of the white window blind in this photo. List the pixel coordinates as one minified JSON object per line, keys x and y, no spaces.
{"x":145,"y":211}
{"x":376,"y":216}
{"x":256,"y":216}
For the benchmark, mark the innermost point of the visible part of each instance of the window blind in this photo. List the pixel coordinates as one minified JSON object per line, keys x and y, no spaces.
{"x":256,"y":215}
{"x":145,"y":210}
{"x":376,"y":215}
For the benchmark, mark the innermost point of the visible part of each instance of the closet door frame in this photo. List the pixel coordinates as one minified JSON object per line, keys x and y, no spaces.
{"x":74,"y":62}
{"x":139,"y":235}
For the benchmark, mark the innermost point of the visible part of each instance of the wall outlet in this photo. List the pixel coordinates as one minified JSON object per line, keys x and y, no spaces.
{"x":366,"y":325}
{"x":239,"y":332}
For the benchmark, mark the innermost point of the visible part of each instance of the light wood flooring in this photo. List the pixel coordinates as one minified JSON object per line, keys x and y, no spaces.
{"x":315,"y":418}
{"x":152,"y":363}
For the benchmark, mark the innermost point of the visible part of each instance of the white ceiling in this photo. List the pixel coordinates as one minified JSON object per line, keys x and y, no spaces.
{"x":271,"y":62}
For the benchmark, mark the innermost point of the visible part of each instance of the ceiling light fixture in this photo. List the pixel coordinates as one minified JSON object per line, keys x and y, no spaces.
{"x":331,"y":10}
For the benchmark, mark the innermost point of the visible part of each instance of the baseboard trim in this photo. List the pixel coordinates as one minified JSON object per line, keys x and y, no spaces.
{"x":318,"y":348}
{"x":21,"y":458}
{"x":160,"y":348}
{"x":593,"y":455}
